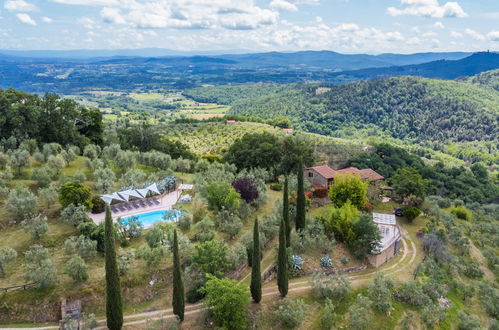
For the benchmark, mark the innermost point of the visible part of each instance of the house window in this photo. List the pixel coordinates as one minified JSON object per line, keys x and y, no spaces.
{"x":310,"y":174}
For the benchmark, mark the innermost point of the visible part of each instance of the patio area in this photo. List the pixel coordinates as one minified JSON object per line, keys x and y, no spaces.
{"x":165,"y":202}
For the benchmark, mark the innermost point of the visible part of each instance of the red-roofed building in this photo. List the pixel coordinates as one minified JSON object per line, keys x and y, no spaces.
{"x":323,"y":175}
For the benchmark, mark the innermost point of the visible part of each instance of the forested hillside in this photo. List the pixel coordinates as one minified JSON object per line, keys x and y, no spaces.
{"x":441,"y":69}
{"x":230,"y":94}
{"x":404,"y":107}
{"x":487,"y":79}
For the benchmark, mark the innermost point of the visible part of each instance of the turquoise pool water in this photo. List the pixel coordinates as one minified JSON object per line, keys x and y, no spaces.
{"x":149,"y":219}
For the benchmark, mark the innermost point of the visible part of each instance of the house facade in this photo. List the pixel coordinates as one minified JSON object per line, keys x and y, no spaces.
{"x":323,"y":175}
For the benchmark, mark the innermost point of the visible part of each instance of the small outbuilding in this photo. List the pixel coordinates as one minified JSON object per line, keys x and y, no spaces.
{"x":390,"y":239}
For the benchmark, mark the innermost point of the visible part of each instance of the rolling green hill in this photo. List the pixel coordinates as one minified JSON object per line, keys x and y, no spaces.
{"x":404,"y":107}
{"x":487,"y":79}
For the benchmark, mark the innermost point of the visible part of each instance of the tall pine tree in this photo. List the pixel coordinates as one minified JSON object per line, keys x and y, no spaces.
{"x":285,"y":211}
{"x":300,"y":199}
{"x":178,"y":284}
{"x":114,"y":304}
{"x":256,"y":276}
{"x":282,"y":262}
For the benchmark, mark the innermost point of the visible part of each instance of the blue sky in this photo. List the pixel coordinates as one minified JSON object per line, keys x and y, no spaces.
{"x":348,"y":26}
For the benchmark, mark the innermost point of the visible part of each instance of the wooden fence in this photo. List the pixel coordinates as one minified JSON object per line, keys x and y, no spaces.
{"x":18,"y":287}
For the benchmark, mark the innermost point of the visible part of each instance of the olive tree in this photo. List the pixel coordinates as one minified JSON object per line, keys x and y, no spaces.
{"x":39,"y":267}
{"x":47,"y":197}
{"x":104,"y":179}
{"x":81,"y":245}
{"x":21,"y":202}
{"x":132,"y":178}
{"x":19,"y":159}
{"x":36,"y":226}
{"x":74,"y":215}
{"x":360,"y":313}
{"x":42,"y":176}
{"x":57,"y":163}
{"x":7,"y":254}
{"x":125,"y":160}
{"x":77,"y":269}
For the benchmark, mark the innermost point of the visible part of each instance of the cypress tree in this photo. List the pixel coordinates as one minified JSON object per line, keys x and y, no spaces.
{"x":114,"y":305}
{"x":285,"y":212}
{"x":256,"y":276}
{"x":282,"y":262}
{"x":178,"y":284}
{"x":300,"y":199}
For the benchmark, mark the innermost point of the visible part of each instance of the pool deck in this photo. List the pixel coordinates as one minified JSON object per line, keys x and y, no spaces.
{"x":165,"y":203}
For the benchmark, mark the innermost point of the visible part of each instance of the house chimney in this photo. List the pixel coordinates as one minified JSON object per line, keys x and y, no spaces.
{"x":325,"y":163}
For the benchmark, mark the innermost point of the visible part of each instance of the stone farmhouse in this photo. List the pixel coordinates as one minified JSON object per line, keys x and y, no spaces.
{"x":323,"y":175}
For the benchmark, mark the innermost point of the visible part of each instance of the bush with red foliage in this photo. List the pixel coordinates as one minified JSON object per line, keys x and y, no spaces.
{"x":320,"y":192}
{"x":247,"y":188}
{"x":368,"y":207}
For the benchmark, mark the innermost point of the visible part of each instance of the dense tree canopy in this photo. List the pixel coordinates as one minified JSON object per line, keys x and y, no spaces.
{"x":48,"y":119}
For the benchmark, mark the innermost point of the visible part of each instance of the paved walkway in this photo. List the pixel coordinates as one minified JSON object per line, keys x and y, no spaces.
{"x":165,"y":203}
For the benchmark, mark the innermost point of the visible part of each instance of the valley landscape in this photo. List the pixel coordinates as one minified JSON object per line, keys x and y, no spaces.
{"x":149,"y":188}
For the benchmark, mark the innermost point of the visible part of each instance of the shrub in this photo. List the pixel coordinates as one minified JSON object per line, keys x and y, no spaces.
{"x":276,"y":186}
{"x":185,"y":220}
{"x":247,"y":188}
{"x":296,"y":263}
{"x":75,"y":193}
{"x":228,"y":302}
{"x":360,"y":313}
{"x":77,"y":269}
{"x":411,"y":213}
{"x":98,"y":205}
{"x":413,"y":294}
{"x":461,"y":212}
{"x":326,"y":262}
{"x":328,"y":317}
{"x":345,"y":260}
{"x":222,"y":195}
{"x":320,"y":192}
{"x":348,"y":188}
{"x":334,"y":287}
{"x":291,"y":313}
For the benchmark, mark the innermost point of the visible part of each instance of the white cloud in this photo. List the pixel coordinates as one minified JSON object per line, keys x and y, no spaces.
{"x":475,"y":35}
{"x":19,"y":5}
{"x":318,"y":19}
{"x":90,"y":2}
{"x":87,"y":22}
{"x":428,"y":8}
{"x":191,"y":14}
{"x":455,"y":34}
{"x":25,"y":18}
{"x":112,"y":15}
{"x":493,"y":35}
{"x":46,"y":19}
{"x":282,"y":5}
{"x":439,"y":25}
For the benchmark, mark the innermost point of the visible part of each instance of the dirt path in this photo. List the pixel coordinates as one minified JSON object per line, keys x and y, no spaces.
{"x":482,"y":261}
{"x":406,"y":260}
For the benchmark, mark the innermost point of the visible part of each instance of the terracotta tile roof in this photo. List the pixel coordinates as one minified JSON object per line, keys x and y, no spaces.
{"x":370,"y":175}
{"x":324,"y":170}
{"x":328,"y":173}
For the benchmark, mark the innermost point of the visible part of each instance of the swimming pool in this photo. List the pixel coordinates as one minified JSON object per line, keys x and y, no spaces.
{"x":149,"y":219}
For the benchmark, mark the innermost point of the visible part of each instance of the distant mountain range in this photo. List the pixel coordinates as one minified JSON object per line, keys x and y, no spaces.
{"x":443,"y":69}
{"x":304,"y":60}
{"x":61,"y":74}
